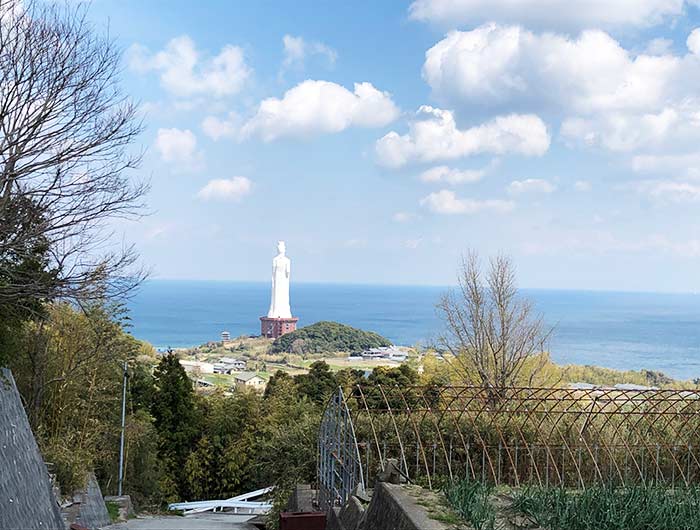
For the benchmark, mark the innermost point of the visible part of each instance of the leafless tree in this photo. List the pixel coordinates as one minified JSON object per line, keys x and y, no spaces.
{"x":66,"y":157}
{"x":493,"y":333}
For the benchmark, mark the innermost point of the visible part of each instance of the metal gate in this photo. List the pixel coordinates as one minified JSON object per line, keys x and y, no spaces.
{"x":339,"y":465}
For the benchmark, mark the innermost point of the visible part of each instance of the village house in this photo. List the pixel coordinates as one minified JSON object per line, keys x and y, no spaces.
{"x":250,"y":380}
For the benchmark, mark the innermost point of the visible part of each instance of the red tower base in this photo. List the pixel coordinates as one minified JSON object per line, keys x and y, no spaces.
{"x":276,"y":327}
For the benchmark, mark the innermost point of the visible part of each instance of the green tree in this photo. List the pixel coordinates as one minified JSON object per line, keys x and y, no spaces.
{"x":220,"y":466}
{"x":318,"y":384}
{"x":324,"y":337}
{"x":278,"y":379}
{"x":175,"y":416}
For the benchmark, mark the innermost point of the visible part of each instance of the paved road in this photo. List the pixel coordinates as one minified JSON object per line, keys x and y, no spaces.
{"x":208,"y":521}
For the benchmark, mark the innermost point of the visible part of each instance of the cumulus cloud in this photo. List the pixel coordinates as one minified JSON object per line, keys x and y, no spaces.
{"x":669,"y":191}
{"x":296,"y":50}
{"x":176,"y":145}
{"x":434,"y":135}
{"x":184,"y":72}
{"x":684,"y":165}
{"x":693,"y":41}
{"x":447,"y":202}
{"x":217,"y":128}
{"x":659,"y":46}
{"x":518,"y":187}
{"x":455,"y":176}
{"x":582,"y":185}
{"x":593,"y":72}
{"x":625,"y":131}
{"x":314,"y":107}
{"x":551,"y":14}
{"x":232,"y":189}
{"x":605,"y":94}
{"x":402,"y":217}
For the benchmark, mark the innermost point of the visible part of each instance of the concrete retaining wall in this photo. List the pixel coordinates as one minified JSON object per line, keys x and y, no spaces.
{"x":26,"y":498}
{"x":392,"y":507}
{"x":88,"y":508}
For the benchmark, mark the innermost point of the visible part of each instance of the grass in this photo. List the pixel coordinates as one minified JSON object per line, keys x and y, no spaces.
{"x":639,"y":507}
{"x":112,"y":510}
{"x":471,"y":500}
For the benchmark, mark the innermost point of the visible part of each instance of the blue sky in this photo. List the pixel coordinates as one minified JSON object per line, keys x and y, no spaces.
{"x":383,"y":139}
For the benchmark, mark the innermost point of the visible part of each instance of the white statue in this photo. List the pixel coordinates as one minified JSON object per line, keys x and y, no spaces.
{"x":279,"y":304}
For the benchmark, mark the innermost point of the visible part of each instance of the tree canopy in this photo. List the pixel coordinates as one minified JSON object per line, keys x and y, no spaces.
{"x":325,"y":336}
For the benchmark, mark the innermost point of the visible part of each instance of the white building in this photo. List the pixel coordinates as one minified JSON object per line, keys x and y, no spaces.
{"x":197,"y":366}
{"x":391,"y":353}
{"x":226,"y":365}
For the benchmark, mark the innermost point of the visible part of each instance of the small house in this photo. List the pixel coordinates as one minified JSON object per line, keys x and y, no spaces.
{"x":250,"y":380}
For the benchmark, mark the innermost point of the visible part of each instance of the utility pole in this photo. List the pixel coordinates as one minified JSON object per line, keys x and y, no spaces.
{"x":121,"y":444}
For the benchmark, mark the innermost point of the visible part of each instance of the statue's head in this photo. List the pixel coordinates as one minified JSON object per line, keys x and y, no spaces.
{"x":281,"y":247}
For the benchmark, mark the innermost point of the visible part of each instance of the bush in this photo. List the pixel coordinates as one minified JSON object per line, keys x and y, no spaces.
{"x":326,"y":337}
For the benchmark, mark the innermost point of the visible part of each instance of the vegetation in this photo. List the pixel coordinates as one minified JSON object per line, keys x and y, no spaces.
{"x":471,"y":500}
{"x":638,"y":507}
{"x":327,"y":337}
{"x":598,"y":507}
{"x":64,"y":170}
{"x":112,"y":510}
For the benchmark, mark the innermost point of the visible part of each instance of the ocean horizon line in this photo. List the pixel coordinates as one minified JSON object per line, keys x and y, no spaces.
{"x":425,"y":285}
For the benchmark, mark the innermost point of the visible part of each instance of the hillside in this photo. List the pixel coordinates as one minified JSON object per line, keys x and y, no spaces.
{"x":328,"y":337}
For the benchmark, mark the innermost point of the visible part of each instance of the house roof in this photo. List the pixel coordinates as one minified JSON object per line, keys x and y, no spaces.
{"x":247,"y":376}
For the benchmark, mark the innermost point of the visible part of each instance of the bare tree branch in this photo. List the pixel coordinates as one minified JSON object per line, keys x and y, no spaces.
{"x":496,"y":338}
{"x":66,"y":157}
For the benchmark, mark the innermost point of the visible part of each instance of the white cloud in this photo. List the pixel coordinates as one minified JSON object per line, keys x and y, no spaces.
{"x":602,"y":242}
{"x":593,"y":72}
{"x":433,"y":135}
{"x":413,"y":244}
{"x":446,"y":202}
{"x":217,"y":128}
{"x":296,"y":49}
{"x":176,"y":145}
{"x":683,"y":165}
{"x":403,"y":217}
{"x":624,"y":131}
{"x":565,"y":14}
{"x":183,"y":72}
{"x":693,"y":41}
{"x":605,"y":94}
{"x":232,"y":189}
{"x":518,"y":187}
{"x":582,"y":185}
{"x":455,"y":176}
{"x":314,"y":107}
{"x":355,"y":243}
{"x":659,"y":46}
{"x":669,"y":191}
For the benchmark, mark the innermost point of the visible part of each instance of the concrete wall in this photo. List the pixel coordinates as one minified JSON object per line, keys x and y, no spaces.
{"x":392,"y":507}
{"x":26,"y":498}
{"x":89,"y":509}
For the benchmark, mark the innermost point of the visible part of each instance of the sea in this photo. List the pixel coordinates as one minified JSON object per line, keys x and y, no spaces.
{"x":622,"y":330}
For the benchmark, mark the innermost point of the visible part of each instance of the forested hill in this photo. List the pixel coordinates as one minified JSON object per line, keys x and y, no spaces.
{"x":328,"y":337}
